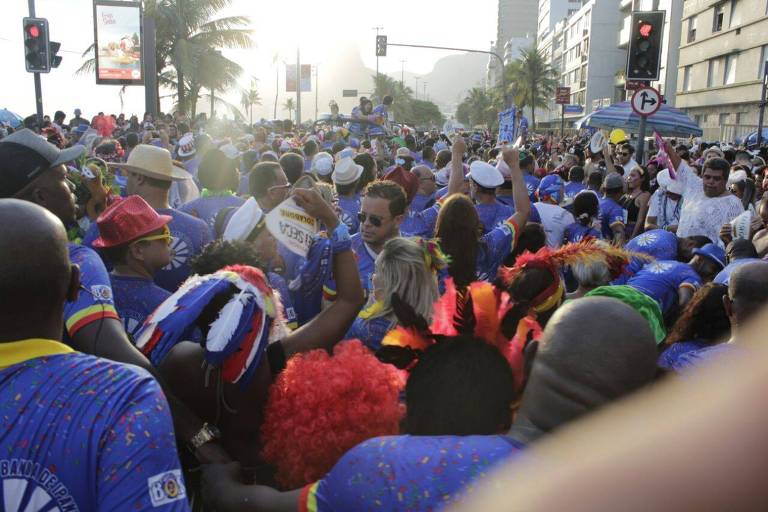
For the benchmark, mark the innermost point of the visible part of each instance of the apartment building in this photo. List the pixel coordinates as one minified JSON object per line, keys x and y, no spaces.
{"x":515,"y":29}
{"x":724,"y":46}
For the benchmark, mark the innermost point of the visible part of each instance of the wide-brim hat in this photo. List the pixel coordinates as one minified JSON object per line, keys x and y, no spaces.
{"x":347,"y":171}
{"x":243,"y":221}
{"x":127,"y":220}
{"x":152,"y":162}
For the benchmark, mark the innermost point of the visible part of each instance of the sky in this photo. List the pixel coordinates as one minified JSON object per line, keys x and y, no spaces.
{"x":322,"y":30}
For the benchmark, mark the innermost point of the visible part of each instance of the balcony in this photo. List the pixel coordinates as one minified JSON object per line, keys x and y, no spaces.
{"x":624,"y":4}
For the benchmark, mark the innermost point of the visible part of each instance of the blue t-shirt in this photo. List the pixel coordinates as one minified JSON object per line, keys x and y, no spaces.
{"x":659,"y":243}
{"x":83,"y":433}
{"x":491,"y":215}
{"x":532,"y":185}
{"x":95,"y":301}
{"x":660,"y":280}
{"x":670,"y":358}
{"x":576,"y":232}
{"x":572,"y":188}
{"x":370,"y":331}
{"x":278,"y":284}
{"x":206,"y":208}
{"x":611,"y":214}
{"x":695,"y":358}
{"x":507,"y":201}
{"x":190,"y":235}
{"x":405,"y":473}
{"x":349,"y":207}
{"x":422,"y":202}
{"x":441,"y":193}
{"x":724,"y":276}
{"x":135,"y":299}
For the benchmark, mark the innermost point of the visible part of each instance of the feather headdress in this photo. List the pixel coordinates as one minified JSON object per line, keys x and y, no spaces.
{"x":243,"y":327}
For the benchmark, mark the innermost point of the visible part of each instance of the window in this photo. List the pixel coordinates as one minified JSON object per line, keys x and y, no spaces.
{"x":686,"y":78}
{"x":735,"y":14}
{"x":697,"y":119}
{"x":723,"y":119}
{"x":730,"y":69}
{"x":713,"y":72}
{"x":717,"y":19}
{"x":691,"y":29}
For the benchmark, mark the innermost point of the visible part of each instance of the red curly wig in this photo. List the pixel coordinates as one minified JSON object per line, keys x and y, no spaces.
{"x":321,"y":406}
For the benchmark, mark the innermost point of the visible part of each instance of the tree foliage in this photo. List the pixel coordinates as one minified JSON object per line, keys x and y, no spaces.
{"x":405,"y":108}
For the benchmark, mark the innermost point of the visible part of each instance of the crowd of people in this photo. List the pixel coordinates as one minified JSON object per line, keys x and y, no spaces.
{"x":163,"y":345}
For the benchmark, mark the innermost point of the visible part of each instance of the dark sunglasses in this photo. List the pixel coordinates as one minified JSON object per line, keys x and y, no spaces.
{"x":375,"y":219}
{"x":623,"y":154}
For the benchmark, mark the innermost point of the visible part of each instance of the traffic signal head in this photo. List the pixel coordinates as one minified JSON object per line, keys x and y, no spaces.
{"x":36,"y":52}
{"x":381,"y":46}
{"x":644,"y":53}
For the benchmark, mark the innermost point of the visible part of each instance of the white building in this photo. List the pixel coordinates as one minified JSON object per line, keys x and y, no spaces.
{"x":552,"y":11}
{"x":515,"y":29}
{"x":667,"y":84}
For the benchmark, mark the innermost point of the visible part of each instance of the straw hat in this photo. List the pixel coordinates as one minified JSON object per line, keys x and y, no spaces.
{"x":152,"y":162}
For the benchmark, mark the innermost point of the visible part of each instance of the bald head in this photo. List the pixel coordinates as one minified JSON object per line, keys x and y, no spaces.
{"x":748,"y":290}
{"x":34,"y":264}
{"x":594,"y":350}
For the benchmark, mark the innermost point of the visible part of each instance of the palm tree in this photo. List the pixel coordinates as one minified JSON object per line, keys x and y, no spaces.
{"x":186,"y":30}
{"x":249,"y":98}
{"x":384,"y":85}
{"x":534,"y":80}
{"x":290,"y":107}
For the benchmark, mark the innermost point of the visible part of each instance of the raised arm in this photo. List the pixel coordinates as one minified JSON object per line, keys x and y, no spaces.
{"x":519,"y":191}
{"x":457,"y":167}
{"x":329,"y":327}
{"x":608,"y":159}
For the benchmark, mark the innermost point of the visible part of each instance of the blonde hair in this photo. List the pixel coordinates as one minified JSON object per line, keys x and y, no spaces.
{"x":401,"y":269}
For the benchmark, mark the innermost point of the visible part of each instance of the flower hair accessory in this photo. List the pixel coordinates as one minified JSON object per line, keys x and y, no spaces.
{"x":434,"y":257}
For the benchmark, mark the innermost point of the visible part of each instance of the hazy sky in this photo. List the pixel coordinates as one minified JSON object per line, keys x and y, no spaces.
{"x":320,"y":28}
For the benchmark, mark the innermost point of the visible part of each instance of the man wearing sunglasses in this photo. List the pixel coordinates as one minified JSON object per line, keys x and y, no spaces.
{"x":624,"y":157}
{"x":136,"y":241}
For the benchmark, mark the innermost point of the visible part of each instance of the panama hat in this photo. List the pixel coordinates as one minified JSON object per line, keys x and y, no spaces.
{"x":152,"y":162}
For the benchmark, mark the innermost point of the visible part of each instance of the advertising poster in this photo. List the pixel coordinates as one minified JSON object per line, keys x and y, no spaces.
{"x":117,"y":29}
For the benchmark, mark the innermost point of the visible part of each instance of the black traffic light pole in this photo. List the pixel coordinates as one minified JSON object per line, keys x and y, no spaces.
{"x":501,"y":61}
{"x":38,"y":86}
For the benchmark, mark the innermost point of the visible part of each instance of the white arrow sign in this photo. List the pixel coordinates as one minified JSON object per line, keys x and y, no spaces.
{"x":646,"y":101}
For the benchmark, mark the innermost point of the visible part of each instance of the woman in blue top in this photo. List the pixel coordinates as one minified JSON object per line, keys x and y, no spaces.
{"x":586,"y":208}
{"x":702,"y":323}
{"x":474,"y":256}
{"x":405,"y":267}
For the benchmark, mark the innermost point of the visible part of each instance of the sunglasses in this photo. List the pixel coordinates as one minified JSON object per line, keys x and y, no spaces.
{"x":165,"y":235}
{"x":623,"y":154}
{"x":376,"y":221}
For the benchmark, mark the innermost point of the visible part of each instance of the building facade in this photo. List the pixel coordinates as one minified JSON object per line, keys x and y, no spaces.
{"x":724,"y":46}
{"x":515,"y":29}
{"x":552,"y":11}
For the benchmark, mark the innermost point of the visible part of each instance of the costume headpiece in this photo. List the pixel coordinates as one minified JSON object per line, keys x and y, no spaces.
{"x":237,"y":338}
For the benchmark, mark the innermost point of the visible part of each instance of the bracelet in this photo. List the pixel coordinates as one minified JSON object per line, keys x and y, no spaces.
{"x":340,"y":239}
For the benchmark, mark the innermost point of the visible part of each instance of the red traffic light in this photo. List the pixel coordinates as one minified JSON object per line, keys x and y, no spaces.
{"x":646,"y":29}
{"x":33,"y":31}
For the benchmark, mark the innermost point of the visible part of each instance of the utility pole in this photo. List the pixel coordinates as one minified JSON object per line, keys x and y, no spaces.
{"x":148,"y":48}
{"x":277,"y":84}
{"x":38,"y":86}
{"x":298,"y":88}
{"x":762,"y":105}
{"x":416,"y":89}
{"x":317,"y":89}
{"x":377,"y":57}
{"x":402,"y":73}
{"x":425,"y":91}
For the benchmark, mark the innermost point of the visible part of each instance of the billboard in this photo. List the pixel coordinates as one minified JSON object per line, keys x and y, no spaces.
{"x":290,"y":78}
{"x":118,"y":41}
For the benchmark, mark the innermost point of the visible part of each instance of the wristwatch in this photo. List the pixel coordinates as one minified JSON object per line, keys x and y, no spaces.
{"x":205,"y":434}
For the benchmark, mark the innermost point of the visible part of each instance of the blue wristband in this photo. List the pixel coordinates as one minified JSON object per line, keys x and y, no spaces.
{"x":340,"y":239}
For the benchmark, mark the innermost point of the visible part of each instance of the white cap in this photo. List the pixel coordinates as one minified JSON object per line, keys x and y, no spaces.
{"x":347,"y":171}
{"x":737,"y":176}
{"x":322,"y":164}
{"x":230,"y":151}
{"x":504,"y":169}
{"x":485,"y":175}
{"x":666,"y":182}
{"x":187,"y":145}
{"x":243,"y":221}
{"x":441,"y":176}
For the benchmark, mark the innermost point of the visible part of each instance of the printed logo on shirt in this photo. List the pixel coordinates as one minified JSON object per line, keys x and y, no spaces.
{"x":659,"y":268}
{"x":28,"y":486}
{"x":179,"y":253}
{"x":647,"y":239}
{"x":102,"y":292}
{"x":166,"y":488}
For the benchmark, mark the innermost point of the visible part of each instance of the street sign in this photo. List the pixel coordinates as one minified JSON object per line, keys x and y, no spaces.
{"x":633,"y":85}
{"x":349,"y":93}
{"x":574,"y":109}
{"x":563,"y":95}
{"x":646,"y":101}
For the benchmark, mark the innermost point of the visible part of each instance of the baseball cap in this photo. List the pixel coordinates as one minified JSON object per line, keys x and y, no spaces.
{"x":713,"y":252}
{"x":24,"y":156}
{"x":613,"y":181}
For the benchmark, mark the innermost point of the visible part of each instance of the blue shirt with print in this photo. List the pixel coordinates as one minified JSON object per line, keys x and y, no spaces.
{"x":660,"y":280}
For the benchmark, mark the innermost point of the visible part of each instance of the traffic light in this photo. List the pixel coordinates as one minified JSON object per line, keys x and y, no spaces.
{"x":381,"y":46}
{"x":644,"y":54}
{"x":36,"y":50}
{"x":53,"y":49}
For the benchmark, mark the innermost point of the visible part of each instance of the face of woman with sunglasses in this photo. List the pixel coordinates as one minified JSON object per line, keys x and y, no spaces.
{"x":376,"y":222}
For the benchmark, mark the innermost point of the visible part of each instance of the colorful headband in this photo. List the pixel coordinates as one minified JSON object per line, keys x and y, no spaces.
{"x":243,"y":328}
